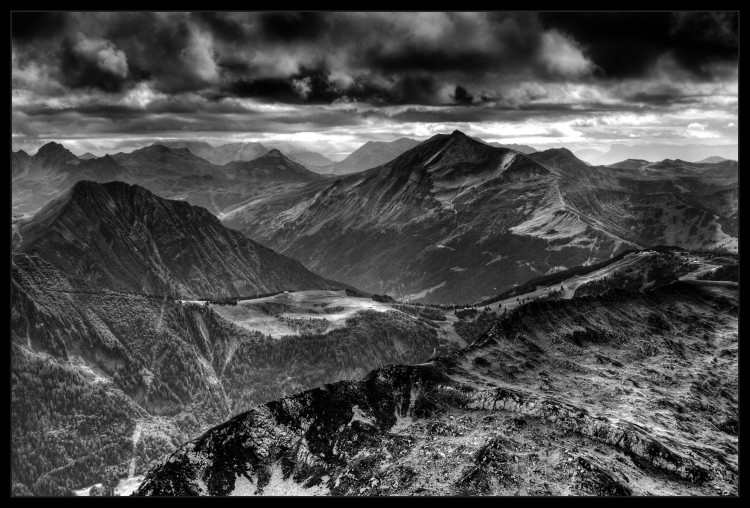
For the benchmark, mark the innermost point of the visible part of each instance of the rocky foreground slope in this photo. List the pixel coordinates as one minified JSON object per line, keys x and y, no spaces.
{"x":615,"y":393}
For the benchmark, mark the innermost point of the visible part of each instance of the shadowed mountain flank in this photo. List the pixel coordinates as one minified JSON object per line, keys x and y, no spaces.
{"x":122,"y":236}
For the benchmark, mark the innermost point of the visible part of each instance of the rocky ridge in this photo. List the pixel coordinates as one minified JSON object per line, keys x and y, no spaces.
{"x":622,"y":393}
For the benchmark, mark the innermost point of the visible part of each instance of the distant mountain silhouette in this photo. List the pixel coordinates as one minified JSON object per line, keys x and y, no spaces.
{"x":370,"y":155}
{"x":656,"y":152}
{"x":308,"y":159}
{"x":222,"y":154}
{"x":713,"y":159}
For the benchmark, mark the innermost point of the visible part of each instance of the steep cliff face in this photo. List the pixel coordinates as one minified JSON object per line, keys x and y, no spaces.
{"x":122,"y":236}
{"x":615,"y":394}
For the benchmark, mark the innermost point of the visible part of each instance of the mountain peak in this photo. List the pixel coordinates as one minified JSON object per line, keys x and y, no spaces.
{"x":156,"y":147}
{"x":83,"y":187}
{"x":273,"y":152}
{"x":561,"y":151}
{"x":164,"y":147}
{"x":102,"y":162}
{"x":52,"y":149}
{"x":713,"y":160}
{"x":458,"y":134}
{"x":271,"y":166}
{"x":559,"y":154}
{"x":138,"y":241}
{"x":561,"y":159}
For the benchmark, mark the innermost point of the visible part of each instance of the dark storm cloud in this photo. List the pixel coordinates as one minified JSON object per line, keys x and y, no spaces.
{"x":34,"y":26}
{"x":314,"y":87}
{"x":427,"y":59}
{"x":171,"y":51}
{"x":221,"y":25}
{"x":400,"y":58}
{"x":278,"y":89}
{"x":86,"y":65}
{"x":309,"y":86}
{"x":703,"y":38}
{"x":167,"y":50}
{"x":413,"y":88}
{"x":293,"y":26}
{"x":503,"y":43}
{"x":462,"y":96}
{"x":117,"y":71}
{"x":628,"y":44}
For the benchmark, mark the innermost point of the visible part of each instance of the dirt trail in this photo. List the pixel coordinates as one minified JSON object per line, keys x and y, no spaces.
{"x":136,"y":438}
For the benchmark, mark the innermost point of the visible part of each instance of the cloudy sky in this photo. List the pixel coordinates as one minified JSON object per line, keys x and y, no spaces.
{"x":331,"y":81}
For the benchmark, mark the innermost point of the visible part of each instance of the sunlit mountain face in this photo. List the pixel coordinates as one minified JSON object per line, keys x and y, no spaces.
{"x":374,"y":253}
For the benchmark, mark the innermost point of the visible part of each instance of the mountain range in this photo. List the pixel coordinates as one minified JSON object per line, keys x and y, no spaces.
{"x":455,"y":220}
{"x":41,"y":177}
{"x":656,"y":152}
{"x":405,"y":227}
{"x":243,"y":151}
{"x":189,"y":326}
{"x":219,"y":155}
{"x":171,"y":172}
